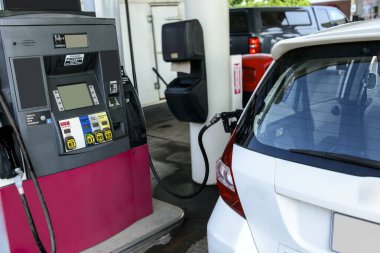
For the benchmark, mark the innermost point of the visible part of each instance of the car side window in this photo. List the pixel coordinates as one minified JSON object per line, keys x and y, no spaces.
{"x":323,"y":18}
{"x":337,"y":17}
{"x":273,"y":19}
{"x":278,"y":18}
{"x":298,"y":17}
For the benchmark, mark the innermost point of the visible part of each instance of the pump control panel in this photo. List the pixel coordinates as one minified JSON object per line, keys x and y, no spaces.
{"x":64,"y":84}
{"x":85,"y":131}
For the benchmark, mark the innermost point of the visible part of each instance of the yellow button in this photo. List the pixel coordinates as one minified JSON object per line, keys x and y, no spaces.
{"x":90,"y":139}
{"x":99,"y":136}
{"x":71,"y":143}
{"x":108,"y":135}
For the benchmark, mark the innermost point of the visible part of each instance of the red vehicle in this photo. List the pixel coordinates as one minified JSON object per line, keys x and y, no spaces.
{"x":254,"y":67}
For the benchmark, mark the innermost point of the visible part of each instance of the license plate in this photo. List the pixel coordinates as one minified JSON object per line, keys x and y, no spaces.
{"x":352,"y":235}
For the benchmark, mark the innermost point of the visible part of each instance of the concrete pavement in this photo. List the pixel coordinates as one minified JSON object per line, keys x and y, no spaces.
{"x":170,"y":149}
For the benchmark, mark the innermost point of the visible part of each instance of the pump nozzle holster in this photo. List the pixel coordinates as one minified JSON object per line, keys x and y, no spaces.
{"x":8,"y":159}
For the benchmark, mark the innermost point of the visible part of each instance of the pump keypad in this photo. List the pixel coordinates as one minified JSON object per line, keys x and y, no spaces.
{"x":70,"y":143}
{"x":90,"y":139}
{"x":99,"y":136}
{"x":108,"y":135}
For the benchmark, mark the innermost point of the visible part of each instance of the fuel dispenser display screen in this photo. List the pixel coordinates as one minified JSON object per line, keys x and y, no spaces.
{"x":75,"y":96}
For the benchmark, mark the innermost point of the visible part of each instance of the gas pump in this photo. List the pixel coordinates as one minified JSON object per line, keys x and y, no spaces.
{"x":80,"y":125}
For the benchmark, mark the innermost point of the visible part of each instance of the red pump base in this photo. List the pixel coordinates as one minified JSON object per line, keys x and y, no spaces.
{"x":87,"y":205}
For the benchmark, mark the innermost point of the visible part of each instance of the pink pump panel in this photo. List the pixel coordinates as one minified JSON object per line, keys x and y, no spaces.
{"x":87,"y":205}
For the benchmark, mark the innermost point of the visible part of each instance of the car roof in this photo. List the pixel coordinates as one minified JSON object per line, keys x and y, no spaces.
{"x":351,"y":32}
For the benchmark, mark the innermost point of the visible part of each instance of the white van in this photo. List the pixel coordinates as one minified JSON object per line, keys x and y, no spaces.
{"x":302,"y":171}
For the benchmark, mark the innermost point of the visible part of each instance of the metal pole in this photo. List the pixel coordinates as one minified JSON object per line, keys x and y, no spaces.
{"x":131,"y":47}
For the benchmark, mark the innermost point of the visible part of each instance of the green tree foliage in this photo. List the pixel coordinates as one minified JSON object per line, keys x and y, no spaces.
{"x":235,"y":2}
{"x":253,"y":3}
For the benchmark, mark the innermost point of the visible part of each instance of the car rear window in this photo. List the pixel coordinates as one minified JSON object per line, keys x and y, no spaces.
{"x":324,"y":101}
{"x":278,"y":18}
{"x":238,"y":22}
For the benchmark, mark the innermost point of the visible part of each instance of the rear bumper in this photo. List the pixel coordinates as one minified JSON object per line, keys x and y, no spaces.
{"x":228,"y":232}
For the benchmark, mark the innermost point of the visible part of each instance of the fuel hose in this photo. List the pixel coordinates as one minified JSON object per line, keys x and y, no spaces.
{"x":31,"y":224}
{"x":171,"y":192}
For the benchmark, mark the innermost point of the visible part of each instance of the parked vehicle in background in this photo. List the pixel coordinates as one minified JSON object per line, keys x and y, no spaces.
{"x":257,"y":29}
{"x":301,"y":172}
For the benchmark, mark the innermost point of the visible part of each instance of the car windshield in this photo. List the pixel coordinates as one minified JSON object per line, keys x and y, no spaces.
{"x":326,"y":104}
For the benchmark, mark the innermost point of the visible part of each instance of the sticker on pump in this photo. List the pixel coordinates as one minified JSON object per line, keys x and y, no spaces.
{"x":104,"y":121}
{"x":94,"y":120}
{"x":96,"y":128}
{"x":72,"y":134}
{"x":74,"y":59}
{"x":87,"y":130}
{"x":86,"y":124}
{"x":237,"y":78}
{"x":105,"y":126}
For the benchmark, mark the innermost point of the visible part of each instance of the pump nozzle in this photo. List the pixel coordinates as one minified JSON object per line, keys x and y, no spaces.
{"x":215,"y":119}
{"x":228,"y":125}
{"x":234,"y":114}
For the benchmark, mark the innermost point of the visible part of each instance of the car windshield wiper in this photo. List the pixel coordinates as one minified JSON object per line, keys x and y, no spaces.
{"x":339,"y":157}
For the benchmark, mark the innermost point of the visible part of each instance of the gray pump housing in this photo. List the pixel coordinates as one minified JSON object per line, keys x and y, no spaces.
{"x":41,"y":52}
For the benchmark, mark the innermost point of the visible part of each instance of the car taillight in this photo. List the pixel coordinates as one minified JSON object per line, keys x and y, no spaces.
{"x":254,"y":67}
{"x":249,"y":78}
{"x":254,"y":45}
{"x":225,"y":179}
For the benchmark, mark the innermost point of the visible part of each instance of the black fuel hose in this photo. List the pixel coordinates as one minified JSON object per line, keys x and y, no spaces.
{"x":30,"y":169}
{"x":167,"y":189}
{"x":31,"y":224}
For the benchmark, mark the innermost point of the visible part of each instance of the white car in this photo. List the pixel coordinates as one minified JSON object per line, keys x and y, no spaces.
{"x":302,"y":171}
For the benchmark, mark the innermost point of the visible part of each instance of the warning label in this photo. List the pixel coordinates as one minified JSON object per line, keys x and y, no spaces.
{"x":74,"y":59}
{"x":237,"y":78}
{"x":38,"y":118}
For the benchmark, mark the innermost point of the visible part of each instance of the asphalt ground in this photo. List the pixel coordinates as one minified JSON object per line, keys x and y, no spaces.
{"x":170,"y":149}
